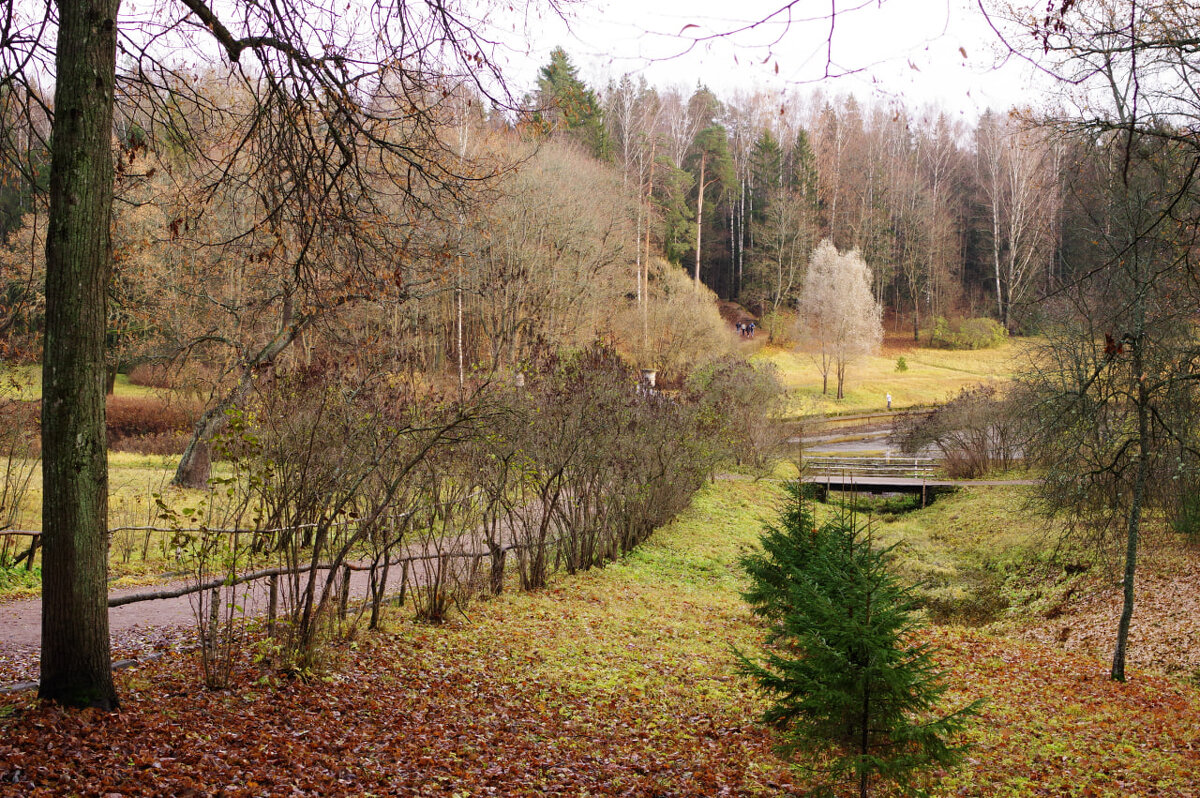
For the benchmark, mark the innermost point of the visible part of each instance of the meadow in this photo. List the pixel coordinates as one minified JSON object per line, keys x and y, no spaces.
{"x":623,"y":680}
{"x":930,"y":376}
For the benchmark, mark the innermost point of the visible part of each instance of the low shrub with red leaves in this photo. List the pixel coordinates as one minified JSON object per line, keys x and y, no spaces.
{"x":130,"y":417}
{"x":150,"y":376}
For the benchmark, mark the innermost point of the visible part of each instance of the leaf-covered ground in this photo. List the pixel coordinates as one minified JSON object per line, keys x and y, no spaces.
{"x":617,"y":682}
{"x":1082,"y":615}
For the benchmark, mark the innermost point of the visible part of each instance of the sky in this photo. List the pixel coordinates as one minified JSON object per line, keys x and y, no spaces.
{"x":916,"y":52}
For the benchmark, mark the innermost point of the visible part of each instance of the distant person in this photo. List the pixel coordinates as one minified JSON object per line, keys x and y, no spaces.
{"x":889,"y":402}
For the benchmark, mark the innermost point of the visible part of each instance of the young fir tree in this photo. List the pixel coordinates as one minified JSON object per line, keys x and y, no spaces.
{"x":851,"y":684}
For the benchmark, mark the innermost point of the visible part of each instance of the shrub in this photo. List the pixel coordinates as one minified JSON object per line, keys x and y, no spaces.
{"x":682,"y":328}
{"x":901,"y":364}
{"x":130,"y":417}
{"x":849,"y":680}
{"x":161,"y":443}
{"x":1186,"y":519}
{"x":737,"y":403}
{"x":780,"y":328}
{"x":150,"y":375}
{"x":978,"y":333}
{"x":976,"y":431}
{"x":20,"y":445}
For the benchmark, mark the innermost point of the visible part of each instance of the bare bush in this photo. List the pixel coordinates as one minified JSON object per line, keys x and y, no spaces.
{"x":151,"y":375}
{"x":738,"y":403}
{"x":977,"y":431}
{"x":332,"y":462}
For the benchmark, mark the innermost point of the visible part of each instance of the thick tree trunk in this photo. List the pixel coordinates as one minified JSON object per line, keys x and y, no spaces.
{"x":76,"y":658}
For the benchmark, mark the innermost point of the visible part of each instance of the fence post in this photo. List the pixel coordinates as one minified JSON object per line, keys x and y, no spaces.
{"x":345,"y":598}
{"x":272,"y":603}
{"x":403,"y":583}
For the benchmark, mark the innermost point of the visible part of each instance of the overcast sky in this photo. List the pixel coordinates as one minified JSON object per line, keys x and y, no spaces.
{"x":898,"y":49}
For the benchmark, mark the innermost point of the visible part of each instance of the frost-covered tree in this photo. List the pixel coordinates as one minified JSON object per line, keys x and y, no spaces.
{"x":839,"y":316}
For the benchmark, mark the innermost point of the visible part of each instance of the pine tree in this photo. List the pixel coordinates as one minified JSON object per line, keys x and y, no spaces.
{"x":850,"y":682}
{"x":568,"y":104}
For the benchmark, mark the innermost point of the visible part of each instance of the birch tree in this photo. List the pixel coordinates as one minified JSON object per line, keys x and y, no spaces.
{"x":1017,"y":173}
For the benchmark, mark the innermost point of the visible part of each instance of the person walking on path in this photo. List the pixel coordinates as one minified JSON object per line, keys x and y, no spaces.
{"x":889,"y":402}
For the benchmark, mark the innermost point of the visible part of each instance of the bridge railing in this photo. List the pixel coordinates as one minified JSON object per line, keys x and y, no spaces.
{"x":890,"y":466}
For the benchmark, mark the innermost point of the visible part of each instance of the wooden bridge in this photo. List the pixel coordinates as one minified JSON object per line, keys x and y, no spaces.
{"x":886,"y":466}
{"x":888,"y":474}
{"x":877,"y":474}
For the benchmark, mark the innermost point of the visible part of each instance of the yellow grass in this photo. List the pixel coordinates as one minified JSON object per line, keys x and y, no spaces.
{"x":134,"y":482}
{"x":933,"y":375}
{"x":28,"y":385}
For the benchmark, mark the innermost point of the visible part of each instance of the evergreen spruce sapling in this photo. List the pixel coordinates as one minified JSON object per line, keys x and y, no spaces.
{"x":849,"y":680}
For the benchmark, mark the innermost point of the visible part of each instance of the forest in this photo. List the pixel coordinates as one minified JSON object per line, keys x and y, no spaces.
{"x":466,"y":425}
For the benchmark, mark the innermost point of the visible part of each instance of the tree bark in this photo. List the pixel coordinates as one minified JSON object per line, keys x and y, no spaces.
{"x":76,"y":658}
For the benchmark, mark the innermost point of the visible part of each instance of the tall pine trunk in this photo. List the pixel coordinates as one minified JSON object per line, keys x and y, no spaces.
{"x":76,"y":658}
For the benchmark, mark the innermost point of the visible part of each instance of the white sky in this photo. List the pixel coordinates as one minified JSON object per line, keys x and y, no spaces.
{"x":907,"y":49}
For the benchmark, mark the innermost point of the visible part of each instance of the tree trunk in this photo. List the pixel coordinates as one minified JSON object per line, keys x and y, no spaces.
{"x":699,"y":218}
{"x":196,"y":464}
{"x":76,"y":658}
{"x":1135,"y":511}
{"x":193,"y":468}
{"x":1000,"y":309}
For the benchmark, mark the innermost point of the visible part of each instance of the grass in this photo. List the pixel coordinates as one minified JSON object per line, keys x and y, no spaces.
{"x":933,"y":375}
{"x":659,"y":626}
{"x":970,"y":552}
{"x":133,"y":482}
{"x":27,"y":384}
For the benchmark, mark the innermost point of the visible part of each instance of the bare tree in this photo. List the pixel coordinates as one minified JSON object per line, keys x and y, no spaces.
{"x":1017,"y":172}
{"x":1117,"y":387}
{"x":838,"y":312}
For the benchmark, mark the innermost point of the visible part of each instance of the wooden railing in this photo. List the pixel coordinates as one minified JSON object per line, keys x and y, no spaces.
{"x":887,"y":466}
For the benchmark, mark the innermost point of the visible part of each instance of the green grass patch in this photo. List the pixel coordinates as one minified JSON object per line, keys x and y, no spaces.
{"x":645,"y":642}
{"x":970,"y":551}
{"x":18,"y":582}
